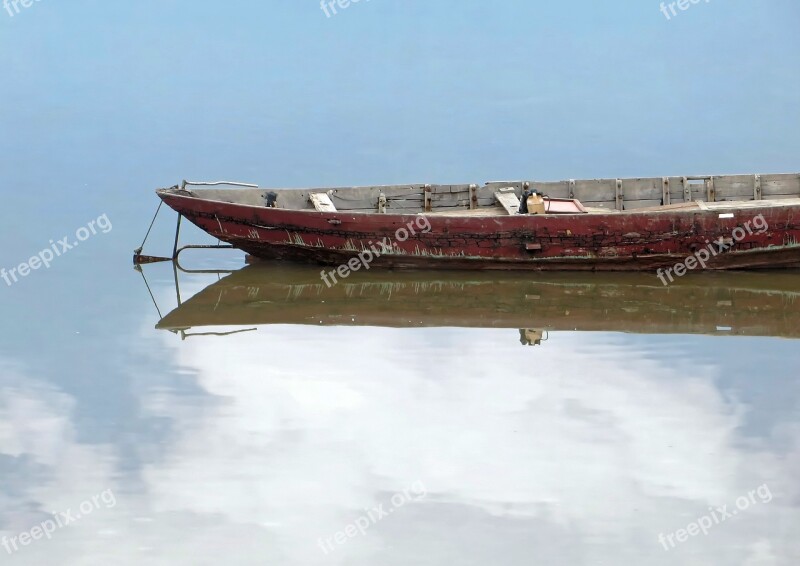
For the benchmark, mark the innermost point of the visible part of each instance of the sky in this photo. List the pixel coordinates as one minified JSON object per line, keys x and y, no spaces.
{"x":106,"y":99}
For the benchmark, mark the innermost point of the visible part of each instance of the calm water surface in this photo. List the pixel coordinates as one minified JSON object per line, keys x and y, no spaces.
{"x":402,"y":418}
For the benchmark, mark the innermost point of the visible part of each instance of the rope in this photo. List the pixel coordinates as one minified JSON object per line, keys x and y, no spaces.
{"x":160,"y":316}
{"x":139,"y":250}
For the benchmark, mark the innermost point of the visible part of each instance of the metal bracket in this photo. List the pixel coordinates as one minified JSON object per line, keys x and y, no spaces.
{"x":428,"y":198}
{"x":201,"y":247}
{"x":216,"y":183}
{"x":711,"y":190}
{"x":687,"y":189}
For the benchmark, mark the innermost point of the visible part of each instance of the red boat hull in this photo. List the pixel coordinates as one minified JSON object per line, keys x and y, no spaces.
{"x":577,"y":242}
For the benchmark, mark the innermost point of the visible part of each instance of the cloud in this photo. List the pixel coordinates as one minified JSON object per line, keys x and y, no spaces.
{"x":584,"y":447}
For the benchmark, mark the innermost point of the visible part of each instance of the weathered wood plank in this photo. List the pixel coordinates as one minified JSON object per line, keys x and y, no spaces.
{"x":734,"y":187}
{"x":697,"y":189}
{"x":463,"y":203}
{"x":419,"y":197}
{"x":440,"y":189}
{"x":373,"y":192}
{"x":487,"y":192}
{"x":252,"y":197}
{"x":395,"y":204}
{"x":450,"y":197}
{"x":352,"y":204}
{"x":637,"y":204}
{"x":553,"y":190}
{"x":595,"y":190}
{"x":322,"y":202}
{"x":642,"y":189}
{"x":780,"y":185}
{"x":508,"y":200}
{"x":604,"y":193}
{"x":780,"y":197}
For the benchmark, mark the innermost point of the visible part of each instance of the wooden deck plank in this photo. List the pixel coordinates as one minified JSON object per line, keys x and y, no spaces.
{"x":508,"y":200}
{"x":322,"y":202}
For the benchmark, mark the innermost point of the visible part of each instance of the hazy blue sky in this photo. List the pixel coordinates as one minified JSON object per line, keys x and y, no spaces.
{"x":126,"y":96}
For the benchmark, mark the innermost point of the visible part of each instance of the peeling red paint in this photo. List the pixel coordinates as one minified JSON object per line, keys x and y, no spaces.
{"x":597,"y":242}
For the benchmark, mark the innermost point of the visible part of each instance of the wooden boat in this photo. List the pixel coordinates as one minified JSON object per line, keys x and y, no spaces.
{"x":726,"y":222}
{"x":721,"y":303}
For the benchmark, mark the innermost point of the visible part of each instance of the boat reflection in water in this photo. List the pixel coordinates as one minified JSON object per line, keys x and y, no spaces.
{"x":740,"y":304}
{"x":585,"y":450}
